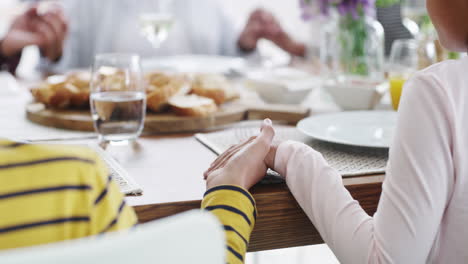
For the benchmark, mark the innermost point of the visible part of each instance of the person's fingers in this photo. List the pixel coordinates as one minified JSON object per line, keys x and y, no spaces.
{"x":267,"y":133}
{"x":252,"y":29}
{"x":58,"y":26}
{"x":260,"y":144}
{"x":267,"y":17}
{"x":275,"y":28}
{"x":227,"y":155}
{"x":285,"y":42}
{"x":271,"y":27}
{"x":45,"y":31}
{"x":54,"y":23}
{"x":63,"y":36}
{"x":32,"y":11}
{"x":222,"y":154}
{"x":259,"y":147}
{"x":270,"y":157}
{"x":63,"y":20}
{"x":257,"y":13}
{"x":59,"y":16}
{"x":14,"y":41}
{"x":268,"y":26}
{"x":218,"y":159}
{"x":58,"y":21}
{"x":50,"y":45}
{"x":250,"y":36}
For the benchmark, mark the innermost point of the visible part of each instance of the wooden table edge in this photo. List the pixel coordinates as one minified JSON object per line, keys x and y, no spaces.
{"x":281,"y":222}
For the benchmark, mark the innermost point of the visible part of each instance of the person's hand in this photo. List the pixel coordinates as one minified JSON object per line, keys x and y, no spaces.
{"x":21,"y":34}
{"x":262,"y":24}
{"x":243,"y":164}
{"x":270,"y":157}
{"x":47,"y":31}
{"x":53,"y":28}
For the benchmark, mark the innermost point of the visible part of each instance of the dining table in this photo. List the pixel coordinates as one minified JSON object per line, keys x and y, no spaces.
{"x":169,"y":168}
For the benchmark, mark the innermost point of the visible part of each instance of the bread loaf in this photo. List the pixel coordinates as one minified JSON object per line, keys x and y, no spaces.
{"x":193,"y":105}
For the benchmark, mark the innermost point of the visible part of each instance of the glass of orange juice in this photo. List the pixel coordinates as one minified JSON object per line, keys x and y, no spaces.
{"x":396,"y":88}
{"x":403,"y":63}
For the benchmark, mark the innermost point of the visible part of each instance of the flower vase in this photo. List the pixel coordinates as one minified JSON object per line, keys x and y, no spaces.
{"x":353,"y":49}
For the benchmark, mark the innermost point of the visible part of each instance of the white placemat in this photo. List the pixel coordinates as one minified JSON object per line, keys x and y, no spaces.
{"x":127,"y":184}
{"x":15,"y":125}
{"x":348,"y":161}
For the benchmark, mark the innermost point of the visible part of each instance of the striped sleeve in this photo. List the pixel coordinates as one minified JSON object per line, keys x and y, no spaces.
{"x":235,"y":208}
{"x":51,"y":193}
{"x":109,"y":211}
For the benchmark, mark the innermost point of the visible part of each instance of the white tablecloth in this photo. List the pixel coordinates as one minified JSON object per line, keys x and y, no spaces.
{"x":13,"y":121}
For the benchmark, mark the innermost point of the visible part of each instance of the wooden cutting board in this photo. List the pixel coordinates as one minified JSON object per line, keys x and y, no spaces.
{"x":167,"y":122}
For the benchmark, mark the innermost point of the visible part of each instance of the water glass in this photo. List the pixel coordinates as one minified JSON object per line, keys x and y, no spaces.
{"x":118,"y":98}
{"x":403,"y":63}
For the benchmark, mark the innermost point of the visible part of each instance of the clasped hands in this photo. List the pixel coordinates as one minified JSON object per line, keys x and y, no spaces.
{"x":246,"y":163}
{"x":47,"y":30}
{"x":263,"y":25}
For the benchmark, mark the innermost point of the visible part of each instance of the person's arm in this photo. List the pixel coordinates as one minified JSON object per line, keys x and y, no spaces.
{"x":47,"y":31}
{"x":235,"y":209}
{"x":227,"y":180}
{"x":415,"y":192}
{"x":53,"y":28}
{"x":19,"y":35}
{"x":109,"y":211}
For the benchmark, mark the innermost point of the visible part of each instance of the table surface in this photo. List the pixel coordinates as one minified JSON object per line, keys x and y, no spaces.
{"x":170,"y":170}
{"x":170,"y":167}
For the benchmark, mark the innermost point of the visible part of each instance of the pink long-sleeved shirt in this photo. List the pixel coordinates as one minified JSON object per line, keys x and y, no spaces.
{"x":423,"y":211}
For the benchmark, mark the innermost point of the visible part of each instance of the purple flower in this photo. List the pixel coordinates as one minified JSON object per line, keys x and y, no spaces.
{"x":314,"y":8}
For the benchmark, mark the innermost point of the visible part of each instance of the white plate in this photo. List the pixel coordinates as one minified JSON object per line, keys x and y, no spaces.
{"x":360,"y":128}
{"x":196,"y":63}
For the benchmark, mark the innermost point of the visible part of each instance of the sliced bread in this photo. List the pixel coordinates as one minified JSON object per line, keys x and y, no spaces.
{"x":214,"y":86}
{"x":192,"y":105}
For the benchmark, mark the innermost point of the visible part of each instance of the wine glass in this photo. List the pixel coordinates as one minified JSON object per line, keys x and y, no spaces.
{"x":118,"y":98}
{"x":156,"y":20}
{"x":403,"y":63}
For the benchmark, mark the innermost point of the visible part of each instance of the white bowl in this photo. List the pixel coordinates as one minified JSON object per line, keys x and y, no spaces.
{"x":282,"y":85}
{"x":356,"y":96}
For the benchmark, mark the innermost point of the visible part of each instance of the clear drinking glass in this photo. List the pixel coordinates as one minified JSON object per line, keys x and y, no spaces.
{"x":403,"y":63}
{"x":156,"y":20}
{"x":118,"y":98}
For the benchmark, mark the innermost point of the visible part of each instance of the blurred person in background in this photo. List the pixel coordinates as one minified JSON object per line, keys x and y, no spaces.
{"x":47,"y":30}
{"x":200,"y":27}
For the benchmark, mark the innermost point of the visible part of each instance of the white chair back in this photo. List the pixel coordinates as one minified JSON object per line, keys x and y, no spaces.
{"x":193,"y":237}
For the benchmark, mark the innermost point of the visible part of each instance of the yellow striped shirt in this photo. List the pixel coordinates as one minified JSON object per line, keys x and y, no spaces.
{"x":51,"y":193}
{"x":235,"y":208}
